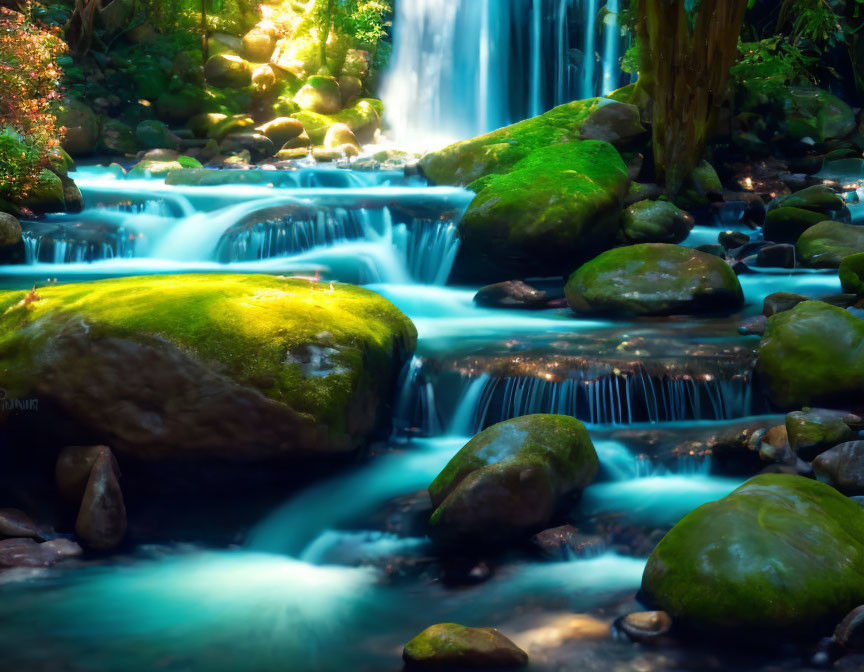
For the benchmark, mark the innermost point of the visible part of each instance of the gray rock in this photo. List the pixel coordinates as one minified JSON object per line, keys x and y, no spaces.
{"x":843,"y":467}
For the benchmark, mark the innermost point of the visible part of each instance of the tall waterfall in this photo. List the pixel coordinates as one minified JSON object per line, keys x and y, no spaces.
{"x":464,"y":67}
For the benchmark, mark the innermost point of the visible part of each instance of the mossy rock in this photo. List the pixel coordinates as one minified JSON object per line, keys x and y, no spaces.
{"x":118,"y":138}
{"x":228,"y":71}
{"x":818,"y":198}
{"x":557,"y":207}
{"x":499,"y":151}
{"x":282,"y":130}
{"x":363,"y":118}
{"x":827,"y":244}
{"x":654,"y":279}
{"x":320,"y":95}
{"x":238,"y":123}
{"x":152,"y":134}
{"x":654,"y":222}
{"x":202,"y":124}
{"x":509,"y":479}
{"x":453,"y":646}
{"x":46,"y":195}
{"x":814,"y":431}
{"x":786,"y":224}
{"x":236,"y":367}
{"x":781,"y":556}
{"x":702,"y":187}
{"x":82,"y":127}
{"x":817,"y":114}
{"x":812,"y":355}
{"x":148,"y":168}
{"x":852,"y":274}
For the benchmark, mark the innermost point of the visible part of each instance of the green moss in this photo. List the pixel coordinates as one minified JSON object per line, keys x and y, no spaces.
{"x":654,"y":279}
{"x":499,"y":151}
{"x":780,"y":555}
{"x":852,"y":274}
{"x":827,"y":244}
{"x":454,"y":646}
{"x":46,"y":195}
{"x":654,"y":222}
{"x":786,"y":224}
{"x":363,"y":118}
{"x":554,"y":208}
{"x":246,"y":325}
{"x":812,"y":354}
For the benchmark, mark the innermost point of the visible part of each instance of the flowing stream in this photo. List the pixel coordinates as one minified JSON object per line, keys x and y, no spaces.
{"x":311,"y":588}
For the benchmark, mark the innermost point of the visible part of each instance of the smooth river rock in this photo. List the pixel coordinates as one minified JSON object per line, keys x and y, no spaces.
{"x":452,"y":646}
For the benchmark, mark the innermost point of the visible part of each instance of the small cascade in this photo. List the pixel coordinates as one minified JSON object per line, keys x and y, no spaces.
{"x":428,"y":248}
{"x":78,"y":246}
{"x":465,"y":67}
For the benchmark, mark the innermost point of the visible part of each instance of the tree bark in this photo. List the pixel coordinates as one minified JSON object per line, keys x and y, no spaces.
{"x":685,"y":62}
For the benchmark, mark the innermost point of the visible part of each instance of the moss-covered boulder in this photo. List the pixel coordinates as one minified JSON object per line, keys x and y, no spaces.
{"x":152,"y":134}
{"x":82,"y":127}
{"x":812,"y":355}
{"x":281,"y":130}
{"x":188,"y":367}
{"x":320,"y":95}
{"x":558,"y":206}
{"x":827,"y":244}
{"x":228,"y":71}
{"x":818,"y":198}
{"x":780,"y":556}
{"x":363,"y":118}
{"x":815,"y":430}
{"x":46,"y":195}
{"x":452,"y":646}
{"x":817,"y":114}
{"x":157,"y":168}
{"x":654,"y":222}
{"x":615,"y":122}
{"x":118,"y":138}
{"x":509,"y":479}
{"x":852,"y":274}
{"x":10,"y":230}
{"x":786,"y":224}
{"x":654,"y":279}
{"x":702,"y":186}
{"x":498,"y":151}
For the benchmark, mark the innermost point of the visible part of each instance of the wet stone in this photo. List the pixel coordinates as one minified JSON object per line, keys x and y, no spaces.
{"x":15,"y":523}
{"x":645,"y":626}
{"x":850,"y":631}
{"x":567,"y":543}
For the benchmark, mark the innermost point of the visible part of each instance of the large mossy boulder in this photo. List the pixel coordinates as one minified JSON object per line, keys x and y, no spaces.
{"x":817,"y":114}
{"x":363,"y":118}
{"x":557,"y":207}
{"x":509,"y":480}
{"x":827,"y":244}
{"x":447,"y":646}
{"x":818,"y":198}
{"x":654,"y":222}
{"x":812,"y":355}
{"x":46,"y":195}
{"x":654,"y":279}
{"x":786,"y":224}
{"x":228,"y":71}
{"x":197,"y":367}
{"x":82,"y":127}
{"x":320,"y":95}
{"x":499,"y":151}
{"x":781,"y":556}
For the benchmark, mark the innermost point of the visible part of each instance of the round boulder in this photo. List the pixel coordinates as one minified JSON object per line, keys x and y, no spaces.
{"x":779,"y":556}
{"x":228,"y":71}
{"x":10,"y":230}
{"x":843,"y":467}
{"x":509,"y":479}
{"x":654,"y":279}
{"x":827,"y":244}
{"x":452,"y":646}
{"x":320,"y":95}
{"x":655,"y":222}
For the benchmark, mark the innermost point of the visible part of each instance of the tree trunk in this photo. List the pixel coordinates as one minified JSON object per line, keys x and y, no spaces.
{"x":205,"y":37}
{"x":685,"y":62}
{"x":325,"y":32}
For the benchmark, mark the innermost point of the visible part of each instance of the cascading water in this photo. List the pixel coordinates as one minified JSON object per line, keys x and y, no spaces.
{"x":465,"y":67}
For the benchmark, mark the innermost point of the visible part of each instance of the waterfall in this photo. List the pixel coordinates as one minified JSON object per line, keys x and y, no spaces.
{"x":461,"y":68}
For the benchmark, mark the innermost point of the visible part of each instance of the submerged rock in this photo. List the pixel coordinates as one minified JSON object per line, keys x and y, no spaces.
{"x":202,"y":366}
{"x":452,"y":646}
{"x":511,"y":294}
{"x":655,"y":222}
{"x":654,"y":279}
{"x":509,"y":479}
{"x":778,"y":557}
{"x":556,"y":207}
{"x":828,"y":243}
{"x":842,"y":467}
{"x":811,"y":355}
{"x":566,"y":543}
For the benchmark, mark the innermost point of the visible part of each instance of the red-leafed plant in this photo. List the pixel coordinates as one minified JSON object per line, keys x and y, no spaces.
{"x":29,"y":97}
